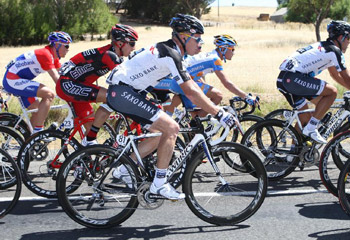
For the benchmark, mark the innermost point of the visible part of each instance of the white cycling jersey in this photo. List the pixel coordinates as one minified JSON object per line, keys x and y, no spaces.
{"x":147,"y":66}
{"x":315,"y":58}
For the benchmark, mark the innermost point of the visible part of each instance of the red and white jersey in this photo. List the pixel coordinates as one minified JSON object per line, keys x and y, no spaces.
{"x":32,"y":63}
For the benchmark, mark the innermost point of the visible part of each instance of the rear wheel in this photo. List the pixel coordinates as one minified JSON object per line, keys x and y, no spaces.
{"x":344,"y":187}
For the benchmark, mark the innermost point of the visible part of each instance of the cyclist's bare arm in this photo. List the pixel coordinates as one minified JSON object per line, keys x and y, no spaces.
{"x":54,"y":74}
{"x":230,"y":85}
{"x":343,"y":77}
{"x":196,"y":95}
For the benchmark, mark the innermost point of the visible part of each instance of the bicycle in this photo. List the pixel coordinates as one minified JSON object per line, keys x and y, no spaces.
{"x":282,"y":148}
{"x":10,"y":183}
{"x":344,"y":187}
{"x":100,"y":202}
{"x":44,"y":152}
{"x":10,"y":141}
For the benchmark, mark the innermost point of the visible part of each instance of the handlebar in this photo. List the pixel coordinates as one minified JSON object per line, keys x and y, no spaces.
{"x":244,"y":104}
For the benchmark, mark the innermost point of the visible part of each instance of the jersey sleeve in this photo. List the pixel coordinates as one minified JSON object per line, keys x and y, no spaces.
{"x":45,"y":59}
{"x":218,"y":65}
{"x":111,"y":60}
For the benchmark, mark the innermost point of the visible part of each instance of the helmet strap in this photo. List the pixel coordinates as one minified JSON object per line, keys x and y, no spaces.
{"x":58,"y":49}
{"x":223,"y":51}
{"x":182,"y":43}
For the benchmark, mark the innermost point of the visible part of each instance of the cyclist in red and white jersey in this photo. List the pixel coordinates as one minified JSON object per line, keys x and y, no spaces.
{"x":131,"y":80}
{"x":297,"y":81}
{"x":81,"y":71}
{"x":18,"y":79}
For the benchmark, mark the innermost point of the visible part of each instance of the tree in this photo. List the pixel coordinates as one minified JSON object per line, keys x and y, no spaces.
{"x":310,"y":11}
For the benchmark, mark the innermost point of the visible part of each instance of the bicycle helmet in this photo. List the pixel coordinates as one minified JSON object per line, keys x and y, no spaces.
{"x":224,"y":41}
{"x":186,"y":23}
{"x":61,"y":37}
{"x":336,"y":28}
{"x":123,"y":33}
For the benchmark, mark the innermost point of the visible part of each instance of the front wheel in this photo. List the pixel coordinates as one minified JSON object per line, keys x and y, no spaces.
{"x":99,"y":200}
{"x":231,"y":196}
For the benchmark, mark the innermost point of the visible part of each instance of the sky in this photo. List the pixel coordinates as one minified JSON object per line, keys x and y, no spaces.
{"x":260,"y":3}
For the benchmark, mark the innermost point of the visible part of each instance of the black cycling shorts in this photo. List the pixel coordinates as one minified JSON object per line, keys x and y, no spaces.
{"x":129,"y":102}
{"x":297,"y":87}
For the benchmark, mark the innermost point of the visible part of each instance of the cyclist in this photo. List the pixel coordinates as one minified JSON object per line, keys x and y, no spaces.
{"x":203,"y":63}
{"x":3,"y":102}
{"x":297,"y":81}
{"x":131,"y":80}
{"x":20,"y":73}
{"x":81,"y":71}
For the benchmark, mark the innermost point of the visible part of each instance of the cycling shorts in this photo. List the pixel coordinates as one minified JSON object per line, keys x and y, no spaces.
{"x":297,"y":87}
{"x":131,"y":103}
{"x":24,"y":88}
{"x":79,"y":94}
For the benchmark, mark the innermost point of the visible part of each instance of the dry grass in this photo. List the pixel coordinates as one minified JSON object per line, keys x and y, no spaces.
{"x":254,"y":68}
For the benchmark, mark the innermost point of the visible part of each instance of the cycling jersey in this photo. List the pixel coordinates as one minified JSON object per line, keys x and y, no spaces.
{"x":315,"y":58}
{"x":80,"y":72}
{"x":146,"y":67}
{"x":203,"y":63}
{"x":20,"y":73}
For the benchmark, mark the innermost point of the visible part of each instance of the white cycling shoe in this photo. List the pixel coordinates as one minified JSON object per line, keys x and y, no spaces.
{"x":85,"y":142}
{"x":314,"y":135}
{"x":166,"y":190}
{"x":123,"y":177}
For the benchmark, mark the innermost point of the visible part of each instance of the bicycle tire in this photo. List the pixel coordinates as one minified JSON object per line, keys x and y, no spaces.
{"x":10,"y":141}
{"x":82,"y":205}
{"x":279,"y":114}
{"x":332,"y":161}
{"x":272,"y":141}
{"x":246,"y":122}
{"x":216,"y":205}
{"x":344,"y":188}
{"x":35,"y":156}
{"x":10,"y":120}
{"x":10,"y":183}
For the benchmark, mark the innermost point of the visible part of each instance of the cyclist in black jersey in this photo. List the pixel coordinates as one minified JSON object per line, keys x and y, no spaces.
{"x":297,"y":81}
{"x":130,"y":81}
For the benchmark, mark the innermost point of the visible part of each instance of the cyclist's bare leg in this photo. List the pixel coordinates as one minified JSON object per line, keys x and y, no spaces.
{"x":102,"y":95}
{"x":175,"y":101}
{"x":47,"y":95}
{"x":215,"y":95}
{"x":324,"y":101}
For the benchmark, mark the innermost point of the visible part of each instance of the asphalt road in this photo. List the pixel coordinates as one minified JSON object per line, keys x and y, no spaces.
{"x":297,"y":207}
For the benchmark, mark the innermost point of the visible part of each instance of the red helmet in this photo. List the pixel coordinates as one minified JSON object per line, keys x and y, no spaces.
{"x":123,"y":33}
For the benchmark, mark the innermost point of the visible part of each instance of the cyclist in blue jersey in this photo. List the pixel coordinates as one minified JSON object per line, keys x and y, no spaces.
{"x":203,"y":63}
{"x":297,"y":81}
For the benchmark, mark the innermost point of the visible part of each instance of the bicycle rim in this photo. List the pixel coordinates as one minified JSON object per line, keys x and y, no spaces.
{"x":232,"y":201}
{"x":344,"y":188}
{"x":10,"y":183}
{"x":99,"y":201}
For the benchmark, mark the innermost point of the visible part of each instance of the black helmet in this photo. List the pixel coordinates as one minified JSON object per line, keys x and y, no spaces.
{"x":124,"y":33}
{"x":186,"y":23}
{"x":336,"y":28}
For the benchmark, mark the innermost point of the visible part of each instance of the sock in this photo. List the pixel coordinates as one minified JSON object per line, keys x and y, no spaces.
{"x":312,"y":124}
{"x":160,"y":177}
{"x":92,"y":133}
{"x":38,"y":129}
{"x":169,"y":113}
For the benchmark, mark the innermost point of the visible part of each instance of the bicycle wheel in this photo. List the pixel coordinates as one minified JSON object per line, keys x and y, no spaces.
{"x":98,"y":201}
{"x":10,"y":120}
{"x":277,"y":146}
{"x":332,"y":160}
{"x":231,"y":197}
{"x":10,"y":141}
{"x":246,"y":122}
{"x":36,"y":156}
{"x":10,"y":183}
{"x":344,"y":188}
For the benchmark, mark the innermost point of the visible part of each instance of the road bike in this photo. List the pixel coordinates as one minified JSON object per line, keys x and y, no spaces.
{"x":216,"y":191}
{"x":344,"y":187}
{"x":282,"y":148}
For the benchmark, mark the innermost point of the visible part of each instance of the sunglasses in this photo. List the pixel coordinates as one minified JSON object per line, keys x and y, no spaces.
{"x":132,"y":44}
{"x":198,"y":39}
{"x":66,"y":46}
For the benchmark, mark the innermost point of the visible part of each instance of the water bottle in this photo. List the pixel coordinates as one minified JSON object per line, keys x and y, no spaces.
{"x":324,"y":121}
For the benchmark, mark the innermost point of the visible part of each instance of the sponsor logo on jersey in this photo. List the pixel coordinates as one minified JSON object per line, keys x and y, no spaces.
{"x":20,"y":83}
{"x":80,"y":70}
{"x":24,"y":64}
{"x":143,"y":73}
{"x":76,"y":90}
{"x":139,"y":103}
{"x":102,"y":71}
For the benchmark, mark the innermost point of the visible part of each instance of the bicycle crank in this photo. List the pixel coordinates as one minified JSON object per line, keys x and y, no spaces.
{"x":146,"y":198}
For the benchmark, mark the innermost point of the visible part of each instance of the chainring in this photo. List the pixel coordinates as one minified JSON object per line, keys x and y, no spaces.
{"x":144,"y":199}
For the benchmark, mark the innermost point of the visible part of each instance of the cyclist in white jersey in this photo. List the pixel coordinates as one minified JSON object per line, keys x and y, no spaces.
{"x":131,"y":80}
{"x":203,"y":63}
{"x":297,"y":81}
